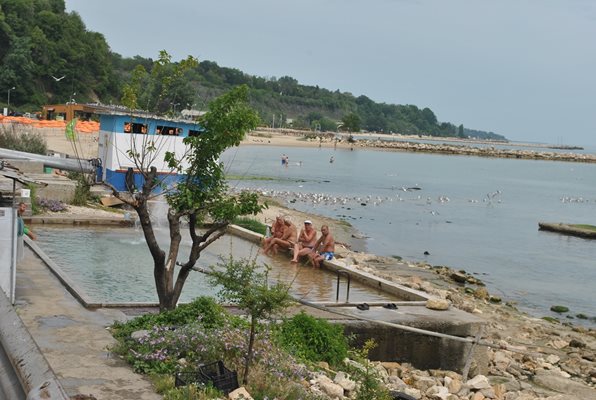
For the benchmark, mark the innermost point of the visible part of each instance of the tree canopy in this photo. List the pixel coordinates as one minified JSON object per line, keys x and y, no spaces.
{"x":50,"y":57}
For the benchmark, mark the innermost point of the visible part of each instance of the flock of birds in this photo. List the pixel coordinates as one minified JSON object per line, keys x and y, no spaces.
{"x":323,"y":199}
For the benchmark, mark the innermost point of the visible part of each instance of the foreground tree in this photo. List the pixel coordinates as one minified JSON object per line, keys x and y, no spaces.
{"x":245,"y":285}
{"x":200,"y":197}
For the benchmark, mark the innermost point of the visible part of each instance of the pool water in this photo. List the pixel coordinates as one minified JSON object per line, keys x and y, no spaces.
{"x":113,"y":265}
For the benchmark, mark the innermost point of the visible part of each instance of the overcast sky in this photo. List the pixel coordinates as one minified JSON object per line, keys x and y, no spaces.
{"x":525,"y":69}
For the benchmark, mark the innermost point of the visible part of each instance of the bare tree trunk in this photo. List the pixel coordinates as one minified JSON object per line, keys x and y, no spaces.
{"x":251,"y":342}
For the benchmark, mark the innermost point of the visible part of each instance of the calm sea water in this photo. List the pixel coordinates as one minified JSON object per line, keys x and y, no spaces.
{"x":476,"y":214}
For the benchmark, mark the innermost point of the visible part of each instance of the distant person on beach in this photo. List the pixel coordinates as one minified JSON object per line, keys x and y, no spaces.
{"x":22,"y":230}
{"x":284,"y":160}
{"x":286,"y":241}
{"x":277,"y":230}
{"x":306,"y":241}
{"x":331,"y":160}
{"x":327,"y":244}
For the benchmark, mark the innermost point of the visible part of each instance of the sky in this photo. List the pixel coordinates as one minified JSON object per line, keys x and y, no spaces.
{"x":525,"y":69}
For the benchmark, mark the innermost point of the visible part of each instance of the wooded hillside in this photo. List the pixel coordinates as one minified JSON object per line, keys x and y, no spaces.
{"x":48,"y":56}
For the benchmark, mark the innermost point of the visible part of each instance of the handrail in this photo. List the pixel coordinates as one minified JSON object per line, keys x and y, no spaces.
{"x":339,"y":273}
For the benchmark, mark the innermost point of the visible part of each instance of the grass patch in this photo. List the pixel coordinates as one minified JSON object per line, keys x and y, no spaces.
{"x":250,"y":224}
{"x":584,"y":226}
{"x":251,"y":178}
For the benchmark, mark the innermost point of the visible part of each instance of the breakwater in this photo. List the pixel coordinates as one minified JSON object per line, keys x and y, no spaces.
{"x":465,"y":150}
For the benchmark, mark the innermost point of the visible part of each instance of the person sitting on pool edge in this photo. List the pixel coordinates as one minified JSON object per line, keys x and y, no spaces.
{"x":306,"y":241}
{"x":286,"y":241}
{"x":277,"y":230}
{"x":327,"y":244}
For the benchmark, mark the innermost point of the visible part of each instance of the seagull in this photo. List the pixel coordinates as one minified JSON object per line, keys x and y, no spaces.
{"x":58,"y":79}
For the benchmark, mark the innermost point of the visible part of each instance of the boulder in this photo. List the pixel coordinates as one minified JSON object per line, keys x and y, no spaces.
{"x":240,"y":393}
{"x":478,"y":382}
{"x":437,"y":304}
{"x":342,"y":379}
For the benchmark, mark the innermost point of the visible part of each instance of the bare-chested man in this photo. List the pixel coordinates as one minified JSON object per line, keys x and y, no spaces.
{"x":277,"y":230}
{"x":327,"y":245}
{"x":286,"y":241}
{"x":306,"y":241}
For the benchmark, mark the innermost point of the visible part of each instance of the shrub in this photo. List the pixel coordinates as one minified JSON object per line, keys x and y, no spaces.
{"x":313,"y":339}
{"x":203,"y":309}
{"x":29,"y":142}
{"x":52,"y":205}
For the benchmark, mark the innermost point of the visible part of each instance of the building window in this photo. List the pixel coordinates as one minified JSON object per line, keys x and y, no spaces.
{"x":167,"y":130}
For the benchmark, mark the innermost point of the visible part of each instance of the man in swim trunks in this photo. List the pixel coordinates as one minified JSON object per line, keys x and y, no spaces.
{"x":306,"y":241}
{"x":286,"y":241}
{"x":327,"y":244}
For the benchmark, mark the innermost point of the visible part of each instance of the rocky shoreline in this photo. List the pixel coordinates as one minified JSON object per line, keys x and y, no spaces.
{"x":530,"y":358}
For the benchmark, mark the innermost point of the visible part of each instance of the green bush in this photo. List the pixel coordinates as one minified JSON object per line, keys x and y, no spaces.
{"x":313,"y":339}
{"x":203,"y":309}
{"x":251,"y":224}
{"x":23,"y":141}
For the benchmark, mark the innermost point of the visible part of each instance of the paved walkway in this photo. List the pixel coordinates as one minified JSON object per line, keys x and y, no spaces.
{"x":74,"y":340}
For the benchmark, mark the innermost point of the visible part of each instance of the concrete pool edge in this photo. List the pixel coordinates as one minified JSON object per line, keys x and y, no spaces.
{"x":35,"y":376}
{"x":335,"y":265}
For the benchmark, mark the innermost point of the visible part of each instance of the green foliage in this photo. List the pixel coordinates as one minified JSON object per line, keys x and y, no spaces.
{"x":22,"y":141}
{"x":313,"y":339}
{"x":203,"y":309}
{"x":370,"y":387}
{"x":351,"y":123}
{"x":34,"y":200}
{"x":250,"y":224}
{"x":245,"y":285}
{"x":82,"y":193}
{"x":41,"y":40}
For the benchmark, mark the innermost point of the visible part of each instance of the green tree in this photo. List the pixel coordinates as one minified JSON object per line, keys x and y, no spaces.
{"x":201,"y":196}
{"x":351,"y":122}
{"x":246,"y":285}
{"x":460,"y":131}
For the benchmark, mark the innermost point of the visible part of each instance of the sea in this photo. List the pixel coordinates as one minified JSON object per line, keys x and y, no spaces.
{"x":474,"y":214}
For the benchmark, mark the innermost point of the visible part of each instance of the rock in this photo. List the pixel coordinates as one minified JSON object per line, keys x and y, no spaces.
{"x":478,"y":382}
{"x":395,"y":382}
{"x":481,"y":293}
{"x":454,"y":385}
{"x":331,"y":389}
{"x":239,"y":393}
{"x":343,"y":380}
{"x":577,"y":343}
{"x":136,"y":335}
{"x":554,"y":381}
{"x":495,"y":299}
{"x":437,"y":304}
{"x":459,"y":278}
{"x":392,"y":368}
{"x":323,"y":365}
{"x":415,"y":393}
{"x":488,"y":393}
{"x":477,"y":396}
{"x":559,"y":309}
{"x":437,"y":392}
{"x":499,"y":391}
{"x":501,"y":360}
{"x":423,"y":382}
{"x":558,"y":344}
{"x":553,"y":359}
